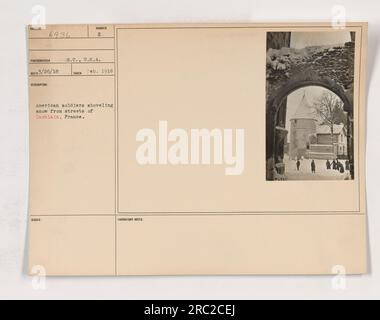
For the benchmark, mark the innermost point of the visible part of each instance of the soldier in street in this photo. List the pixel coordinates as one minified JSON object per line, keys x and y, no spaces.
{"x":313,"y":166}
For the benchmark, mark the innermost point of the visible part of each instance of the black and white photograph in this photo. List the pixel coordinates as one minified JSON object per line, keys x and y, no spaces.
{"x":309,"y":107}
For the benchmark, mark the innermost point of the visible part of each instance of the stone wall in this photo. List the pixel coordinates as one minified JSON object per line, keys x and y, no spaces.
{"x":330,"y":64}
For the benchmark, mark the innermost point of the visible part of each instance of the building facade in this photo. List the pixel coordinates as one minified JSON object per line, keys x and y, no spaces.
{"x":303,"y":125}
{"x":339,"y":140}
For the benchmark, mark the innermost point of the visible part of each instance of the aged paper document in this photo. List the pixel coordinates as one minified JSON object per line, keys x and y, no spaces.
{"x":197,"y":149}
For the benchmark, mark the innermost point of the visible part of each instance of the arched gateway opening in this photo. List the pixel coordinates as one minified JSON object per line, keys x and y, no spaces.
{"x":289,"y":70}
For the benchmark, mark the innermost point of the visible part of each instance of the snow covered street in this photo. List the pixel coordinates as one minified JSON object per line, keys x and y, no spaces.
{"x":305,"y":173}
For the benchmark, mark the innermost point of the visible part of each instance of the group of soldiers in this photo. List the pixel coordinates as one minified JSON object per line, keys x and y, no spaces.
{"x":334,"y":165}
{"x":337,"y":165}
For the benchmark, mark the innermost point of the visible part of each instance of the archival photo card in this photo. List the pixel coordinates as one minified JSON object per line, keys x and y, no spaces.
{"x":207,"y":149}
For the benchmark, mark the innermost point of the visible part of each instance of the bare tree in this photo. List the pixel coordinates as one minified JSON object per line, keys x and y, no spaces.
{"x":329,"y":108}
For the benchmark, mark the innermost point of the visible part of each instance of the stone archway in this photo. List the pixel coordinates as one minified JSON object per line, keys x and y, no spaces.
{"x":289,"y":70}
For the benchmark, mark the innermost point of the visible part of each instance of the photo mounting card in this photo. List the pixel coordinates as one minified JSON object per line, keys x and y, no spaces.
{"x":197,"y":149}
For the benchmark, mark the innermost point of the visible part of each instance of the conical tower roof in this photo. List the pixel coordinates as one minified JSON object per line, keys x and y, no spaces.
{"x":304,"y":110}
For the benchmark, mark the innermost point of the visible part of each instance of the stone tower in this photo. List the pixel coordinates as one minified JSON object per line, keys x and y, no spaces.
{"x":303,"y":125}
